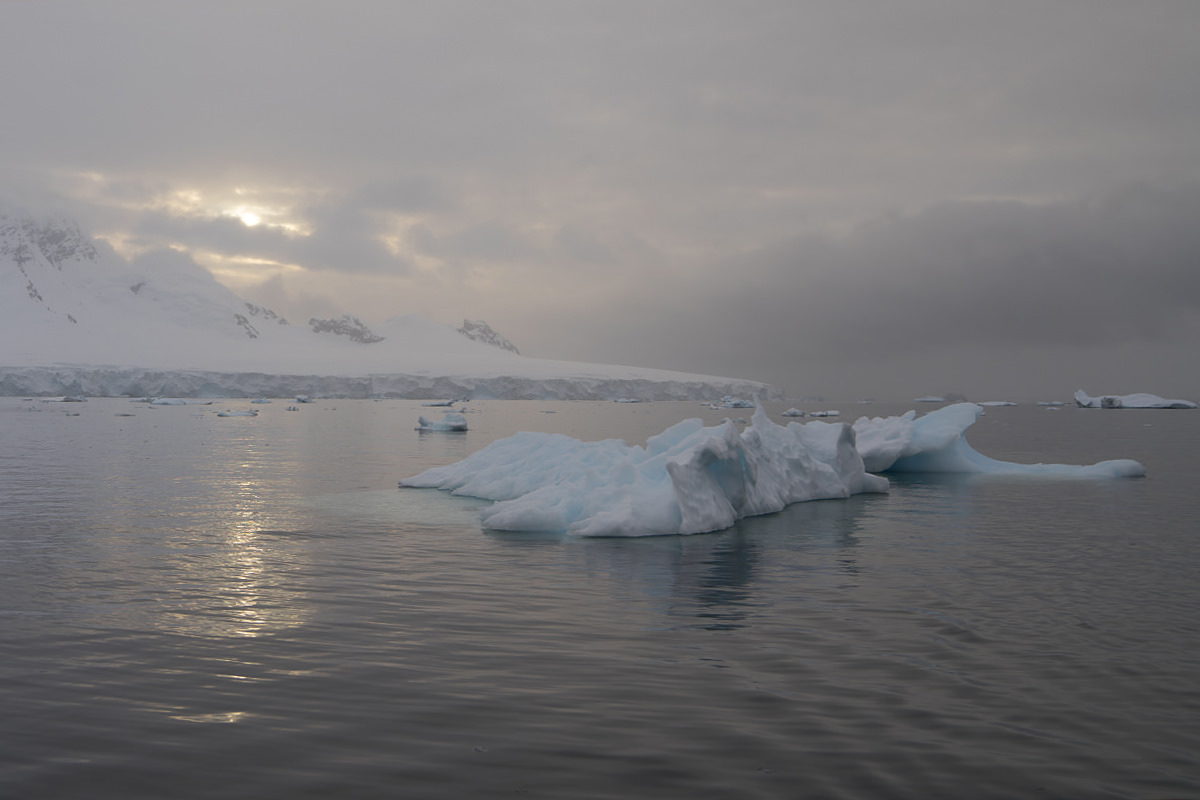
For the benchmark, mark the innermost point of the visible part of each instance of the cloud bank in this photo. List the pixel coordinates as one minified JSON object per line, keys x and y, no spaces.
{"x":839,"y":198}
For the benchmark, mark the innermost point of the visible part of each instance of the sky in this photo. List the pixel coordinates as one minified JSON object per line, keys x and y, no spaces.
{"x":868,"y":199}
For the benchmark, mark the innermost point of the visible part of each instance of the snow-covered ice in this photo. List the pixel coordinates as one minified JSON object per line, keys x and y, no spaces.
{"x":687,"y":479}
{"x":1137,"y":400}
{"x":937,"y":442}
{"x":77,"y":318}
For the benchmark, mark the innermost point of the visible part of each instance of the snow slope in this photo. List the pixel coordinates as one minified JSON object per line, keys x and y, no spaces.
{"x":76,"y":318}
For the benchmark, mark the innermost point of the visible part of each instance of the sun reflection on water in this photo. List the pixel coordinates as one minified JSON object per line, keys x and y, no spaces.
{"x":231,"y":573}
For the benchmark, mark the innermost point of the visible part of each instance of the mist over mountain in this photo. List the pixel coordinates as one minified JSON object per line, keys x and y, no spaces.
{"x":76,"y":317}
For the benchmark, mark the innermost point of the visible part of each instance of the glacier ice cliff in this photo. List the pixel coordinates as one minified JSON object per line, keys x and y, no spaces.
{"x":92,"y":381}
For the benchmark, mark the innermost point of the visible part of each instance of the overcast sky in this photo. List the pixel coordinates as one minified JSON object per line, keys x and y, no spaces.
{"x":843,"y":198}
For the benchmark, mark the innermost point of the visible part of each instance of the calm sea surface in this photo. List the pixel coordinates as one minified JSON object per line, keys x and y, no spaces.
{"x":204,"y":607}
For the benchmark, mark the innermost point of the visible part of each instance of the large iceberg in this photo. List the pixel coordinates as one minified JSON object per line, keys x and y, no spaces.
{"x":1137,"y":400}
{"x":937,"y":442}
{"x":693,"y":479}
{"x":688,"y":479}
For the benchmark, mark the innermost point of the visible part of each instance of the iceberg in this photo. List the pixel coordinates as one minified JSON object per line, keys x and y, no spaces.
{"x":937,"y":442}
{"x":688,"y":479}
{"x":1138,"y":400}
{"x":450,"y":421}
{"x":692,"y":479}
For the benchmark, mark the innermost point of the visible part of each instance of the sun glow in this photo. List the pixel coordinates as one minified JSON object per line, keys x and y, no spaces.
{"x":249,"y":218}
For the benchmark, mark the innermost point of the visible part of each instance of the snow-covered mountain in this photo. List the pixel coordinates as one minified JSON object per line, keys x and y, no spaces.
{"x":77,"y":318}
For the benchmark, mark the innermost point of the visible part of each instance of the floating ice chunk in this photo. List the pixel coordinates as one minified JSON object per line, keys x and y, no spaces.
{"x":687,"y":479}
{"x":937,"y":443}
{"x":450,"y":421}
{"x":829,"y":413}
{"x":178,"y":401}
{"x":1139,"y":400}
{"x":992,"y":403}
{"x":793,"y":412}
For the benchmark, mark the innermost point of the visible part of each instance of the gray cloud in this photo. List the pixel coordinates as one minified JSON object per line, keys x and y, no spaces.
{"x":990,"y":280}
{"x":762,"y":190}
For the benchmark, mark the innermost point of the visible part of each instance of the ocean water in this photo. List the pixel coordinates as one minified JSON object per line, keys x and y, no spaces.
{"x":203,"y":607}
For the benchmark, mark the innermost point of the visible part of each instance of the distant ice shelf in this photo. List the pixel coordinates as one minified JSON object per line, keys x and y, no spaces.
{"x":102,"y":381}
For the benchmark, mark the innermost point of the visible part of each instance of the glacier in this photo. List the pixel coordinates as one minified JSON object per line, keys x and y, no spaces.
{"x":693,"y":479}
{"x":77,"y":318}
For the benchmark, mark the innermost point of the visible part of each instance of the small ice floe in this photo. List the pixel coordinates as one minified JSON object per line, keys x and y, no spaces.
{"x":303,"y":398}
{"x":793,"y":412}
{"x":728,"y":401}
{"x":1139,"y":400}
{"x":997,"y":403}
{"x":260,"y":401}
{"x":628,"y":400}
{"x":177,"y":401}
{"x":242,"y":413}
{"x":929,"y":398}
{"x":1051,"y":403}
{"x":450,"y":421}
{"x":438,"y":403}
{"x":829,"y":413}
{"x":67,"y":399}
